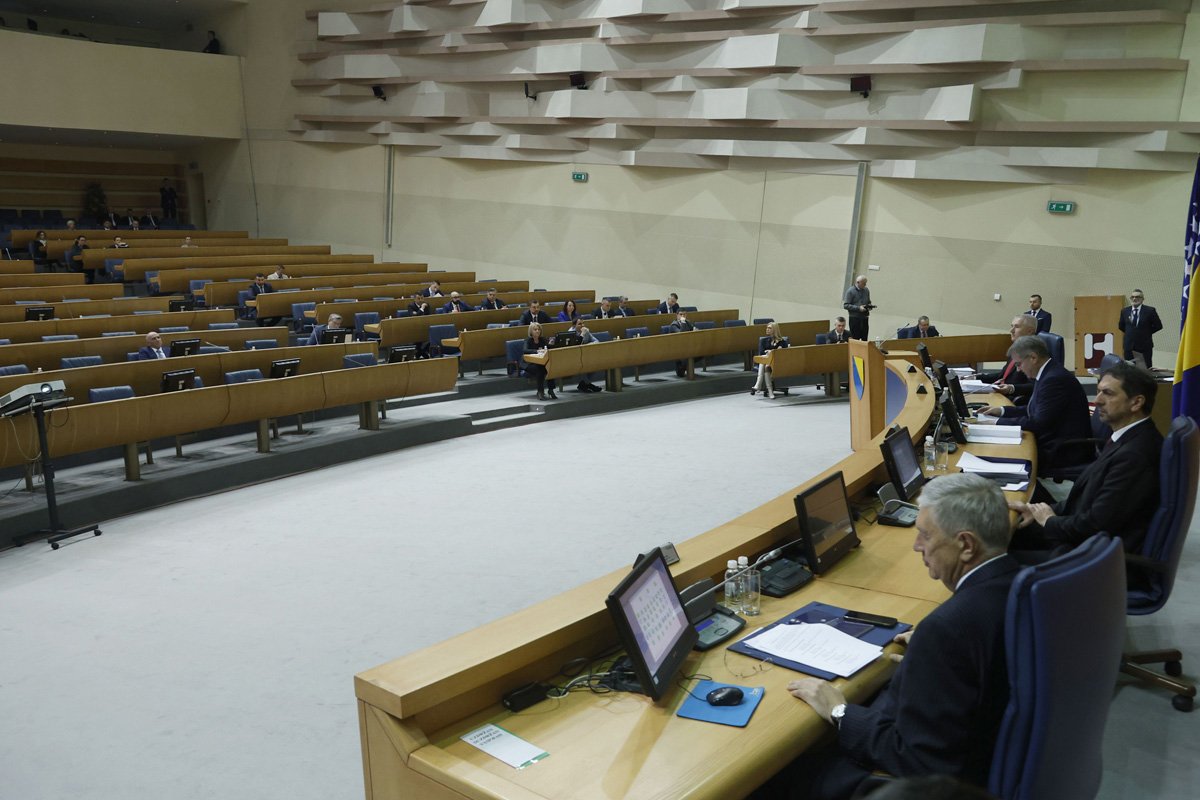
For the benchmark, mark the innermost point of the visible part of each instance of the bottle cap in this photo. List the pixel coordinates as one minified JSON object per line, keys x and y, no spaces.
{"x":731,"y":564}
{"x":743,"y":561}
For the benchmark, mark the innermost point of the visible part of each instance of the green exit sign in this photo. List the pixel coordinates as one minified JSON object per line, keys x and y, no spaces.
{"x":1060,"y":207}
{"x":579,"y":177}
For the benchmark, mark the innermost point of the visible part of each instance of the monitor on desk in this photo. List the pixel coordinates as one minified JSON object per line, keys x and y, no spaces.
{"x":566,"y":339}
{"x":184,"y":347}
{"x":826,"y":526}
{"x":651,"y":623}
{"x":398,"y":354}
{"x":950,"y":418}
{"x":903,"y":466}
{"x":337,"y":335}
{"x":923,"y":352}
{"x":38,"y":313}
{"x":284,"y":368}
{"x":178,"y":379}
{"x":941,"y":374}
{"x":181,"y":305}
{"x":956,"y":394}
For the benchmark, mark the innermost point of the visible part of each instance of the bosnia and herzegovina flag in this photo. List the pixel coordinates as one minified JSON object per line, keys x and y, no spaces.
{"x":1186,"y":395}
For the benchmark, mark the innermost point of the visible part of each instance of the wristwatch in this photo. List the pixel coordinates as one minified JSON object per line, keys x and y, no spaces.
{"x":836,"y":714}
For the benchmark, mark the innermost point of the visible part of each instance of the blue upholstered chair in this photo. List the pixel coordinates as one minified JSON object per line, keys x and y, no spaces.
{"x":1155,"y":564}
{"x":602,"y":336}
{"x":664,"y":328}
{"x":173,"y":329}
{"x":436,"y":334}
{"x":1054,"y":343}
{"x":223,"y":326}
{"x":261,"y":344}
{"x":514,"y":357}
{"x":1063,"y":634}
{"x":359,"y":360}
{"x":59,"y":337}
{"x":705,"y":325}
{"x":763,"y":320}
{"x":822,"y":338}
{"x":209,"y":349}
{"x":105,"y":393}
{"x":362,"y":318}
{"x":243,"y":376}
{"x":72,"y":362}
{"x":301,"y":323}
{"x":735,"y":323}
{"x":14,"y":369}
{"x":633,"y":333}
{"x":120,"y":333}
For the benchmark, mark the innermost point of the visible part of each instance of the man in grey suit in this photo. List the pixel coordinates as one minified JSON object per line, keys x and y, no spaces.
{"x":1139,"y":322}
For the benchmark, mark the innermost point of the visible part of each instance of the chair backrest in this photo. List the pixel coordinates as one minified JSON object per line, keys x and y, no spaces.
{"x":631,"y":333}
{"x":664,"y":328}
{"x":173,"y":329}
{"x":362,"y":318}
{"x":689,"y":308}
{"x":261,"y":344}
{"x":221,"y":326}
{"x":762,"y":344}
{"x":120,"y":333}
{"x":5,"y":341}
{"x":1064,"y":631}
{"x":602,"y":336}
{"x":209,"y":349}
{"x":514,"y":355}
{"x":146,"y":311}
{"x":243,"y":376}
{"x":59,"y":337}
{"x":1178,"y":473}
{"x":1054,"y":343}
{"x":439,"y":332}
{"x":492,"y":325}
{"x":704,"y":325}
{"x":14,"y":369}
{"x":735,"y":323}
{"x":763,"y":320}
{"x":109,"y":393}
{"x":1110,"y":361}
{"x":71,"y":362}
{"x":359,"y":360}
{"x":907,"y":332}
{"x":298,"y":309}
{"x":822,"y":338}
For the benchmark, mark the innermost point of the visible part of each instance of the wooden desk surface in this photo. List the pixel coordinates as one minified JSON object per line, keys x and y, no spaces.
{"x":22,"y":238}
{"x":135,"y":269}
{"x":31,"y":279}
{"x":118,"y":306}
{"x":56,"y":294}
{"x":223,"y":291}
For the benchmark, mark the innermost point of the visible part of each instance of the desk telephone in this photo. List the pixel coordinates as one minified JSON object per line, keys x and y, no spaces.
{"x":895,"y":512}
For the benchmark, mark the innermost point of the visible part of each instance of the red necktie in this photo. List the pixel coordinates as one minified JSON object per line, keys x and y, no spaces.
{"x":1007,"y":371}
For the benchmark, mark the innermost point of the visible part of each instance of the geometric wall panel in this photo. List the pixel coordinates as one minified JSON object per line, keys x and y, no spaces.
{"x":1012,"y":91}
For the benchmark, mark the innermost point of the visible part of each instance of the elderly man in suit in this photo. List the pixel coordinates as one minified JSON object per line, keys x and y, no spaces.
{"x":941,"y":712}
{"x":153,"y":349}
{"x":1057,"y":411}
{"x":1139,"y":322}
{"x":1118,"y":492}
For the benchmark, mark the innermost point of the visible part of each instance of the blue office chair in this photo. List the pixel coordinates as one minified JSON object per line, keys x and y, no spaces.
{"x":209,"y":349}
{"x":261,"y":344}
{"x":5,"y":341}
{"x":514,"y":357}
{"x":1110,"y":361}
{"x":735,"y":323}
{"x":72,"y":362}
{"x":908,"y":332}
{"x":513,"y":323}
{"x":822,"y":338}
{"x":223,"y":326}
{"x":243,"y":376}
{"x":633,"y":333}
{"x":439,"y":332}
{"x":145,"y":312}
{"x":494,"y":325}
{"x":1156,"y":562}
{"x":14,"y":369}
{"x":173,"y":329}
{"x":602,"y":336}
{"x":1063,"y":634}
{"x":105,"y":393}
{"x":120,"y":333}
{"x":763,"y":320}
{"x":244,"y":311}
{"x":359,"y":360}
{"x":362,"y":318}
{"x":59,"y":337}
{"x":1054,"y":343}
{"x":705,"y":325}
{"x":664,"y":328}
{"x":301,"y":323}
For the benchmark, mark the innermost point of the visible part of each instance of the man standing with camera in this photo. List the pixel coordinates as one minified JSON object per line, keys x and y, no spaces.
{"x":858,"y":307}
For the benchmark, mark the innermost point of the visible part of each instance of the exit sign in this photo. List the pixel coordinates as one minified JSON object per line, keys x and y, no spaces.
{"x":579,"y":177}
{"x":1061,"y":207}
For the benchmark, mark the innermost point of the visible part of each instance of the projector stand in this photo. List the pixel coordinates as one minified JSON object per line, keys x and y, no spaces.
{"x":56,"y":532}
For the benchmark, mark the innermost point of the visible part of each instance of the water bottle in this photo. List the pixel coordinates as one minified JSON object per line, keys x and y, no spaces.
{"x":733,"y":586}
{"x":930,"y":455}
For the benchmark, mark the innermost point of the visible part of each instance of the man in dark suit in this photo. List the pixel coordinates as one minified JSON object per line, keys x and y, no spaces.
{"x":419,"y":306}
{"x":534,"y":313}
{"x":153,"y":349}
{"x":1043,"y":317}
{"x":670,"y":305}
{"x":492,"y":302}
{"x":941,"y":711}
{"x":260,"y":287}
{"x":922,"y":330}
{"x":623,"y":309}
{"x":839,"y":334}
{"x":680,"y":325}
{"x":1118,"y":492}
{"x":333,"y":322}
{"x":1010,"y":376}
{"x":1139,"y":323}
{"x":1057,"y":410}
{"x":456,"y":304}
{"x":858,"y":305}
{"x":605,"y":310}
{"x":434,"y":290}
{"x":148,"y":220}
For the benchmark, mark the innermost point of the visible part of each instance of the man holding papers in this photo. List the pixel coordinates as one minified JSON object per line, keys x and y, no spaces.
{"x":1118,"y":492}
{"x":942,"y":709}
{"x":1057,"y":412}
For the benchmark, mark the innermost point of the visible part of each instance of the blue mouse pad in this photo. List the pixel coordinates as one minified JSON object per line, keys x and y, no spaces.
{"x":696,"y":705}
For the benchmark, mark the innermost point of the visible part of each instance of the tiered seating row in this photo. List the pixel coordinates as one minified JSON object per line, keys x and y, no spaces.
{"x":231,"y":268}
{"x":115,"y":349}
{"x":85,"y":328}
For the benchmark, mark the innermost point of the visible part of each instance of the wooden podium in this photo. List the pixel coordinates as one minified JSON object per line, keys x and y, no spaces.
{"x":868,"y":394}
{"x":1096,"y":333}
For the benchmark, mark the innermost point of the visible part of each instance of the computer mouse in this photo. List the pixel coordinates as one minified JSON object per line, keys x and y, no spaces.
{"x":725,"y":696}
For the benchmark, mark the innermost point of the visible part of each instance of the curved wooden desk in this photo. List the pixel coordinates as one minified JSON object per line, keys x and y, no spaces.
{"x":412,"y":710}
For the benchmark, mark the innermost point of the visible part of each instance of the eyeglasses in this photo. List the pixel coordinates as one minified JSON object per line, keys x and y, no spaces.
{"x":1135,"y":297}
{"x":751,"y":671}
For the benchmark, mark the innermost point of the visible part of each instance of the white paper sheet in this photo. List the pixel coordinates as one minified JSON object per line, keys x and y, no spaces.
{"x":968,"y":462}
{"x":816,"y":645}
{"x":499,"y":743}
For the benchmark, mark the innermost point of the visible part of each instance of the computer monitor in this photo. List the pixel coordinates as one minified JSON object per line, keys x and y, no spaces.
{"x":923,"y":352}
{"x":284,"y":368}
{"x":941,"y":375}
{"x":181,"y":305}
{"x":651,"y":623}
{"x":950,"y":418}
{"x":400,"y":353}
{"x":336,"y":335}
{"x":826,"y":525}
{"x":38,"y":312}
{"x":185,"y":347}
{"x":903,"y":466}
{"x":178,"y":379}
{"x":956,"y":394}
{"x":566,"y":339}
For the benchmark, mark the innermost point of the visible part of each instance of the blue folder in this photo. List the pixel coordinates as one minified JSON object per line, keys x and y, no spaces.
{"x":820,"y":612}
{"x":696,"y":705}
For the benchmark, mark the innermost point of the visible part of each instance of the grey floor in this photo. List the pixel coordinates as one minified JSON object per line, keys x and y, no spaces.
{"x":206,"y":649}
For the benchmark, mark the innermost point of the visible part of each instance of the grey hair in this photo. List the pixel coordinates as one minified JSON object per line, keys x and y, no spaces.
{"x":1026,"y":322}
{"x":965,"y":502}
{"x":922,"y":318}
{"x":1029,"y":346}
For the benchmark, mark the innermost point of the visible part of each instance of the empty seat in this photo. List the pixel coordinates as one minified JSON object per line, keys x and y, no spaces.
{"x":120,"y":333}
{"x":243,"y":376}
{"x":492,"y":325}
{"x":208,"y":349}
{"x":664,"y":328}
{"x":14,"y":369}
{"x":104,"y":393}
{"x":59,"y":337}
{"x":222,"y":326}
{"x":633,"y":333}
{"x":143,"y":312}
{"x":261,"y":344}
{"x":173,"y":329}
{"x":439,"y":332}
{"x":763,"y":320}
{"x":705,"y":325}
{"x":602,"y":336}
{"x":822,"y":338}
{"x":359,"y":360}
{"x":363,"y":318}
{"x":688,"y":308}
{"x":514,"y":356}
{"x":71,"y":362}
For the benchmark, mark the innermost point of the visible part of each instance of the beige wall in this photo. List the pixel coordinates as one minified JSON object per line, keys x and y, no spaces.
{"x":54,"y":82}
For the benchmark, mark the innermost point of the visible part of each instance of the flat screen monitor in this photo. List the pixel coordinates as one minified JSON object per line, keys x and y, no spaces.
{"x":181,"y":305}
{"x":178,"y":379}
{"x":926,"y":361}
{"x":826,"y":525}
{"x":566,"y":339}
{"x":38,"y":312}
{"x":950,"y":418}
{"x":651,"y":623}
{"x":903,"y":466}
{"x":337,"y":335}
{"x":941,"y":375}
{"x":185,"y":347}
{"x":956,"y":394}
{"x":285,"y":368}
{"x":400,"y":353}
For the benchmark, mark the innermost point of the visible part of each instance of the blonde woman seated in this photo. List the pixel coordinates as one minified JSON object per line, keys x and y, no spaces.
{"x":536,"y":343}
{"x":775,"y":340}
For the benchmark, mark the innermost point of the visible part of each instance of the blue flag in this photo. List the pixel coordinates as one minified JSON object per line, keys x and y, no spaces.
{"x":1186,"y":395}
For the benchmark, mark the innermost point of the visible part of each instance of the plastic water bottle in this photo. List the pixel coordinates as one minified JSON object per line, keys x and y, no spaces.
{"x":930,"y":455}
{"x":733,"y":586}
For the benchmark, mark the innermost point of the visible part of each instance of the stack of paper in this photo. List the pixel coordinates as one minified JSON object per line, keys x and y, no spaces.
{"x":969,"y":386}
{"x":816,"y":645}
{"x":1015,"y":473}
{"x":994,"y":434}
{"x":962,"y":372}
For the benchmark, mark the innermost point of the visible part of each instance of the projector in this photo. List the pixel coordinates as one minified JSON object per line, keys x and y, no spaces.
{"x":18,"y":400}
